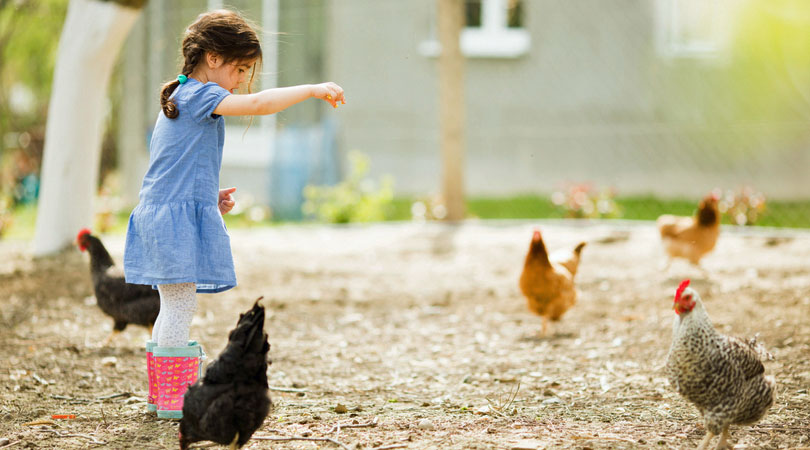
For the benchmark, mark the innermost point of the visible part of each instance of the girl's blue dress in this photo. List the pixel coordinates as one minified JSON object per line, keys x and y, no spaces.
{"x":176,"y":233}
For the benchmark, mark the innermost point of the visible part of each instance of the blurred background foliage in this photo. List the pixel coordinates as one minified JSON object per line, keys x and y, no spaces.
{"x":355,"y":199}
{"x":771,"y":45}
{"x":29,"y":38}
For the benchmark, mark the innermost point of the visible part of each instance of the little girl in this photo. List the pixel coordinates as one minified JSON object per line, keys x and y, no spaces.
{"x":176,"y":238}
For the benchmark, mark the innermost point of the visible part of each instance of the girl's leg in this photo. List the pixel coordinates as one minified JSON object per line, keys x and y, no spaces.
{"x":156,"y":326}
{"x":178,"y":302}
{"x":177,"y":361}
{"x":151,"y":378}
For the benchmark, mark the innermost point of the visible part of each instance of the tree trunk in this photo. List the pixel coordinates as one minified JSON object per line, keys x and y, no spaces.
{"x":92,"y":36}
{"x":451,"y":106}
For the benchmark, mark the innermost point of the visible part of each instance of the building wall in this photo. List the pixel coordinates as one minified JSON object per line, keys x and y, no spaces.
{"x":595,"y":99}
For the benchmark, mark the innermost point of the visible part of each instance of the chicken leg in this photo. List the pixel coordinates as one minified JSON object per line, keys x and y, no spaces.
{"x":705,"y":442}
{"x":234,"y":441}
{"x":723,"y":444}
{"x":110,"y":337}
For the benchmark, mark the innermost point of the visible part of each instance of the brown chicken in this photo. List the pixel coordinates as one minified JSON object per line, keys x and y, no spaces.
{"x":548,"y":282}
{"x":722,"y":376}
{"x":691,"y":237}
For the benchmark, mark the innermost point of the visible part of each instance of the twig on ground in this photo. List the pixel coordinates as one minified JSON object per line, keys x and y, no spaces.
{"x":338,"y":426}
{"x":603,"y":438}
{"x":10,"y":444}
{"x":501,"y":404}
{"x":39,"y":422}
{"x":283,"y":389}
{"x":300,"y":438}
{"x":389,"y":447}
{"x":72,"y":400}
{"x":120,"y":394}
{"x":83,"y":436}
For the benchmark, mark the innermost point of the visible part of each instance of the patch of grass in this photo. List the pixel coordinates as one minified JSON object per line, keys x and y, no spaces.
{"x":790,"y":214}
{"x":24,"y":221}
{"x":517,"y":207}
{"x":649,"y":207}
{"x":400,"y":208}
{"x":794,"y":214}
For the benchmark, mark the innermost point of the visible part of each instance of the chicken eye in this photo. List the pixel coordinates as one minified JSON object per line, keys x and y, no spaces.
{"x":688,"y":297}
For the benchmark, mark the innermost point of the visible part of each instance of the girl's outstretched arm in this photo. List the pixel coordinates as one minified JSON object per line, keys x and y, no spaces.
{"x":270,"y":101}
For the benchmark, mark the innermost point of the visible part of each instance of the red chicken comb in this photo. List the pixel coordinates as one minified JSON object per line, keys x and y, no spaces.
{"x":83,"y":232}
{"x":536,"y":236}
{"x":681,"y":288}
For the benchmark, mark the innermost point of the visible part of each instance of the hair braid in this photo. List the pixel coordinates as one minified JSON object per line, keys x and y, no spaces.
{"x":168,"y":106}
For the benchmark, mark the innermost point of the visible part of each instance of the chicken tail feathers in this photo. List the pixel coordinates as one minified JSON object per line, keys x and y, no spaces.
{"x":250,"y":326}
{"x":573,"y":265}
{"x":759,"y":349}
{"x":257,"y":323}
{"x":245,"y":355}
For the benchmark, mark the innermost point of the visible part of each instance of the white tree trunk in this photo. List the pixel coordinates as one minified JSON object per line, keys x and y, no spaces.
{"x":451,"y":106}
{"x":92,"y":36}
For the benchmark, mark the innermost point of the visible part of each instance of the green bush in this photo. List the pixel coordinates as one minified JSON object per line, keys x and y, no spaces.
{"x":355,"y":199}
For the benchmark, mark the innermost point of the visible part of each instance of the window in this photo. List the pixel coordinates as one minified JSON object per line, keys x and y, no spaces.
{"x":693,"y":28}
{"x":493,"y":29}
{"x":472,"y":13}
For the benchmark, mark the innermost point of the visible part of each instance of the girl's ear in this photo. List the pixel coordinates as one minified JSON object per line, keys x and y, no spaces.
{"x":213,"y":60}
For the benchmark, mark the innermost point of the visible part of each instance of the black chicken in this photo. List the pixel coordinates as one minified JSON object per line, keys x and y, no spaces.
{"x":231,"y":401}
{"x":125,"y":303}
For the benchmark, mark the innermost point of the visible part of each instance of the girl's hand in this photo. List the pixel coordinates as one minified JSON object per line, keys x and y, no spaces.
{"x":329,"y":92}
{"x":226,"y":202}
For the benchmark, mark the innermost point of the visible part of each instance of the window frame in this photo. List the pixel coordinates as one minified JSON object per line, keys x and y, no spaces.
{"x":673,"y":21}
{"x":493,"y":39}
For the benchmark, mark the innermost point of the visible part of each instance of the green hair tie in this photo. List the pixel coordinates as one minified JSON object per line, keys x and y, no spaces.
{"x":182,"y":78}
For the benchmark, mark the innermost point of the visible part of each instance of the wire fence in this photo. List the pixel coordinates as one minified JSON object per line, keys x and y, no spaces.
{"x":653,"y":104}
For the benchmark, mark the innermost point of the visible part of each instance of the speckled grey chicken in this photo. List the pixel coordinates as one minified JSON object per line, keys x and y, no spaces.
{"x":231,"y":401}
{"x":722,"y":376}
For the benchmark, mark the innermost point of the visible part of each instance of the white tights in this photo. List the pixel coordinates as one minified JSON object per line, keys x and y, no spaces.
{"x":178,"y":303}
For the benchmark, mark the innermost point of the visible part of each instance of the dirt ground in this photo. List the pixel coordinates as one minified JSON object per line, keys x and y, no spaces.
{"x":420,"y":332}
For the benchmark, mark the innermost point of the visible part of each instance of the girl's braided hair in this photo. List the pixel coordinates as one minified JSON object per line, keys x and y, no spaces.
{"x":222,"y":32}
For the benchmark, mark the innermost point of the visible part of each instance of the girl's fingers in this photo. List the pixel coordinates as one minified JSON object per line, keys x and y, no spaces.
{"x":333,"y":94}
